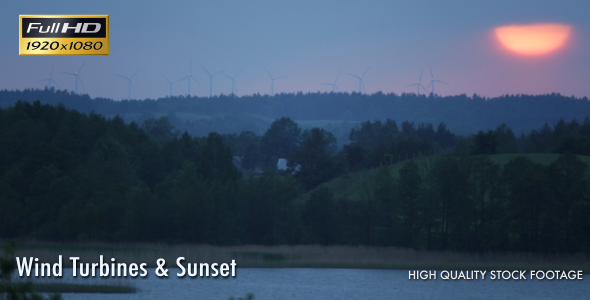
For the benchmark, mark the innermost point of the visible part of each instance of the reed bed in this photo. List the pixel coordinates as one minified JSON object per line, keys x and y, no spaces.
{"x":302,"y":256}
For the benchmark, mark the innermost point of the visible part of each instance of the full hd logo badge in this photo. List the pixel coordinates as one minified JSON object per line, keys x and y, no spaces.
{"x":64,"y":35}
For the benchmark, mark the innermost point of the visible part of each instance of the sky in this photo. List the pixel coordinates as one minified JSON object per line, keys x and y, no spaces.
{"x":310,"y":42}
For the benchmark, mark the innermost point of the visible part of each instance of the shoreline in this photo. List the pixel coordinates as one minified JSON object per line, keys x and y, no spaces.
{"x":84,"y":288}
{"x":300,"y":256}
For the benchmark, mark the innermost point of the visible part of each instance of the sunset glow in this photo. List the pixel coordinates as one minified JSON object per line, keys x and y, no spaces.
{"x":536,"y":39}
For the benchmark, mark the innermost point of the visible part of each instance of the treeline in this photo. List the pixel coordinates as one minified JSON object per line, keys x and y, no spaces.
{"x":463,"y":115}
{"x":563,"y":137}
{"x":314,"y":156}
{"x":462,"y":203}
{"x":69,"y":176}
{"x":378,"y":143}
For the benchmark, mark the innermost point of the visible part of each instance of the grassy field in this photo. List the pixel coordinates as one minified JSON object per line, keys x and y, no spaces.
{"x":304,"y":256}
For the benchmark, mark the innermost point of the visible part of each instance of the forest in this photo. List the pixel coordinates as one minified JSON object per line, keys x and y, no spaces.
{"x":335,"y":112}
{"x":67,"y":175}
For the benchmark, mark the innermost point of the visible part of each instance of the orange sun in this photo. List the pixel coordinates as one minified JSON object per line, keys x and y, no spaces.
{"x":533,"y":39}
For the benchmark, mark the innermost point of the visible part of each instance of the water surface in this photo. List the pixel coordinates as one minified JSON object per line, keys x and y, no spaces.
{"x":305,"y":284}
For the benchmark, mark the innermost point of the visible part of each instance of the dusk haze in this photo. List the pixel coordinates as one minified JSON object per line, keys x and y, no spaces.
{"x":294,"y":150}
{"x":311,"y":41}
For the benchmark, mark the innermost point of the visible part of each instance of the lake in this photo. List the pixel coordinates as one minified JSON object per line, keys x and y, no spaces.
{"x":282,"y":284}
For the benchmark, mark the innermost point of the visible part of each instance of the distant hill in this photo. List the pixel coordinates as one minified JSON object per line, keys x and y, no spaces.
{"x":336,"y":112}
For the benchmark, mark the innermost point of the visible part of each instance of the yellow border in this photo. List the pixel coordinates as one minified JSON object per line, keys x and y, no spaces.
{"x":23,"y":41}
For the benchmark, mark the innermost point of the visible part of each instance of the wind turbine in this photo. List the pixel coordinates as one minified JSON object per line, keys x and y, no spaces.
{"x":334,"y":86}
{"x":170,"y":83}
{"x":50,"y":78}
{"x":130,"y":83}
{"x":211,"y":79}
{"x":234,"y":88}
{"x":360,"y":78}
{"x":432,"y":81}
{"x":188,"y":77}
{"x":77,"y":74}
{"x":419,"y":83}
{"x":272,"y":82}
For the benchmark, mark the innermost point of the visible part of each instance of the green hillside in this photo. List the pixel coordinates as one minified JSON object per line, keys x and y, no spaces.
{"x":351,"y":186}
